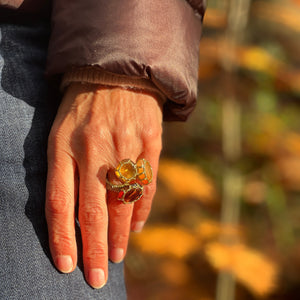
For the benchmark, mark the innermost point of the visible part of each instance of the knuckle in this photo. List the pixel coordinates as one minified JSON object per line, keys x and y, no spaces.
{"x":152,"y":140}
{"x":86,"y":138}
{"x":121,"y":212}
{"x":152,"y":133}
{"x":57,"y":137}
{"x":150,"y":191}
{"x":127,"y":133}
{"x":61,"y":241}
{"x":103,"y":133}
{"x":119,"y":238}
{"x":58,"y":201}
{"x":89,"y":131}
{"x":93,"y":213}
{"x":96,"y":251}
{"x":124,"y":137}
{"x":89,"y":140}
{"x":142,"y":212}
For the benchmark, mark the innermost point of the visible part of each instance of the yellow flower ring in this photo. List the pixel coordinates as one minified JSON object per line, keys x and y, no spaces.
{"x":133,"y":177}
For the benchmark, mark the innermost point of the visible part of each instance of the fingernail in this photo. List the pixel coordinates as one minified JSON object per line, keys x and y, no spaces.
{"x":64,"y":263}
{"x":116,"y":255}
{"x":96,"y":278}
{"x":137,"y":226}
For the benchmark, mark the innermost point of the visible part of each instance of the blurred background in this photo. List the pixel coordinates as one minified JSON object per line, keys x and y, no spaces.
{"x":225,"y":222}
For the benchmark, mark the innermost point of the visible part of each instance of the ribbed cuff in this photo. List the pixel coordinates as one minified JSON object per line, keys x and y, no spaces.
{"x":96,"y":75}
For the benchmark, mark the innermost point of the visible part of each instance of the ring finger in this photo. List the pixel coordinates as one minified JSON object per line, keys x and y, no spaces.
{"x":119,"y":224}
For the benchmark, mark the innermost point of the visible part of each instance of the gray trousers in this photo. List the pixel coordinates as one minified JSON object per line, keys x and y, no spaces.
{"x":27,"y":108}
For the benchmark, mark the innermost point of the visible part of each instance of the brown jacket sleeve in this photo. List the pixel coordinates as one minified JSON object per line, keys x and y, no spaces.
{"x":154,"y":40}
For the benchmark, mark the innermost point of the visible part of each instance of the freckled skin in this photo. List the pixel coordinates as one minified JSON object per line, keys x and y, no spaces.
{"x":95,"y":128}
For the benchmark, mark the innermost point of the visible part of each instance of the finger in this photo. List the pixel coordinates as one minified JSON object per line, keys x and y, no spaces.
{"x":60,"y":202}
{"x":142,"y":207}
{"x":119,"y":225}
{"x":93,"y":219}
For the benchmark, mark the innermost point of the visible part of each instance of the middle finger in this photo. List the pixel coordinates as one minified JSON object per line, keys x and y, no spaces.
{"x":93,"y":219}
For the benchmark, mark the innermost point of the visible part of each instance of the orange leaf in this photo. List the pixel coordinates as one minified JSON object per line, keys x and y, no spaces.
{"x":215,"y":18}
{"x":166,"y":240}
{"x":278,"y":13}
{"x":258,"y":59}
{"x":208,"y":229}
{"x":186,"y":180}
{"x":250,"y":267}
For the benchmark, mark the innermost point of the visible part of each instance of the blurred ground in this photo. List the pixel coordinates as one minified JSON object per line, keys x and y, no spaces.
{"x":228,"y":197}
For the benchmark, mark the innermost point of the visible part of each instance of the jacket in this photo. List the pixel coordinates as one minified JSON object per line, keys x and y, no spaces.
{"x":152,"y":44}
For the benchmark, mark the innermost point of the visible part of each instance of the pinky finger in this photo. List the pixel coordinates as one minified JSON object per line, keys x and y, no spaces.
{"x":142,"y":207}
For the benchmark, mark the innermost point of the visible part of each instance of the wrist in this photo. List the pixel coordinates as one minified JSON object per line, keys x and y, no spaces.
{"x":100,"y":77}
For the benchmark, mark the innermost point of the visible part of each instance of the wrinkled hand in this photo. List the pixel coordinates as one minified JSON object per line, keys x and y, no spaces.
{"x":94,"y":129}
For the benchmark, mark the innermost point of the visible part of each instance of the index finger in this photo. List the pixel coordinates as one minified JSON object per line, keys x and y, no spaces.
{"x":60,"y":211}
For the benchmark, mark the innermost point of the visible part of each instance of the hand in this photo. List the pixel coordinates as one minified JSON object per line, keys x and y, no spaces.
{"x":94,"y":129}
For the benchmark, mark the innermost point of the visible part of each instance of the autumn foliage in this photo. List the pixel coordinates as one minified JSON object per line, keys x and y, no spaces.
{"x":188,"y":241}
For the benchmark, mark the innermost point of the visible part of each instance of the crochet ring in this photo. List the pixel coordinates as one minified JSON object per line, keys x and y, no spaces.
{"x":133,"y":177}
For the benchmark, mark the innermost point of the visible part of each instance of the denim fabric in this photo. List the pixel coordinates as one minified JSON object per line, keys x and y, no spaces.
{"x":26,"y":268}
